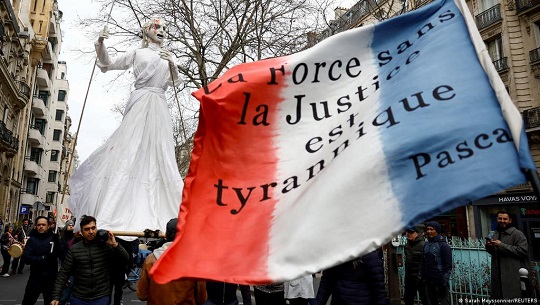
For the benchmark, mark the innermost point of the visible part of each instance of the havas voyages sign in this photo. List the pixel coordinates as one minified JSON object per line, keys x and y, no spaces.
{"x":305,"y":161}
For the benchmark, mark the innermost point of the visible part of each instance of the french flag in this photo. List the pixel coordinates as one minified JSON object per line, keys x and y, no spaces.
{"x":305,"y":161}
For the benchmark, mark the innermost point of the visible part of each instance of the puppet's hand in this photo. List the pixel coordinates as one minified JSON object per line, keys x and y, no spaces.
{"x":168,"y":56}
{"x":103,"y":34}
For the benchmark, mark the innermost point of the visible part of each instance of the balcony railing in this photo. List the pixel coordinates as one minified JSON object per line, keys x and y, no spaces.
{"x":488,"y":17}
{"x":9,"y":143}
{"x":534,"y":55}
{"x":522,"y":5}
{"x":24,"y":88}
{"x":501,"y":64}
{"x":531,"y":118}
{"x":2,"y":32}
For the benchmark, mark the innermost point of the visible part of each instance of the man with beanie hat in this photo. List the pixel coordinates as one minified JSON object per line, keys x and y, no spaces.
{"x":175,"y":292}
{"x":436,"y":266}
{"x":414,"y":250}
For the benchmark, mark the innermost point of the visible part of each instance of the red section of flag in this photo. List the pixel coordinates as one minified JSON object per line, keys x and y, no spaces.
{"x":218,"y":238}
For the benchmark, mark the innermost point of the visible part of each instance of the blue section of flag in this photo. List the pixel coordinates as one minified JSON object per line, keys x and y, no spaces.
{"x":443,"y":134}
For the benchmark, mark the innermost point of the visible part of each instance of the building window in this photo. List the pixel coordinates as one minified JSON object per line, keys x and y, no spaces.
{"x":32,"y":185}
{"x":62,"y":75}
{"x":54,"y":155}
{"x":59,"y":115}
{"x":495,"y":48}
{"x":61,"y":95}
{"x":50,"y":197}
{"x":35,"y":155}
{"x":39,"y":124}
{"x":487,"y":4}
{"x":52,"y":176}
{"x":57,"y":133}
{"x":44,"y":95}
{"x":536,"y":32}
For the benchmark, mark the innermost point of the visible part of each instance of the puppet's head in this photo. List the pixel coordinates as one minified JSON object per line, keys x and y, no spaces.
{"x":153,"y":31}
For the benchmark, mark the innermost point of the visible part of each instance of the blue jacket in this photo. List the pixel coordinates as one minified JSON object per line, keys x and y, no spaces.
{"x":356,"y":282}
{"x":436,"y":266}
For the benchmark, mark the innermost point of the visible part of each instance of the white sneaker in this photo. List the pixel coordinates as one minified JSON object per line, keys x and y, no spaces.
{"x":5,"y":275}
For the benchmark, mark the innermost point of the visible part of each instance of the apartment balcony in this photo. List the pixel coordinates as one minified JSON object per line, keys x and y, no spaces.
{"x":8,"y":143}
{"x":43,"y":78}
{"x":24,"y":89}
{"x":38,"y":106}
{"x":531,"y":117}
{"x":501,"y":65}
{"x":27,"y":198}
{"x":31,"y":167}
{"x":35,"y":137}
{"x":488,"y":17}
{"x":524,"y":5}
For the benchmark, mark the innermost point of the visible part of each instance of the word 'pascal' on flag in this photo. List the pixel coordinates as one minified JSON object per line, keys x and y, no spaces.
{"x":305,"y":161}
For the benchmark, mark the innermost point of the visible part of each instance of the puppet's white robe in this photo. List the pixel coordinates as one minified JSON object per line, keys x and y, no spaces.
{"x":131,"y":182}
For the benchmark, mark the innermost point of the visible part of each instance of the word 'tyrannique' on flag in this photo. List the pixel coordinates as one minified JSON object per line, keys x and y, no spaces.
{"x":305,"y":161}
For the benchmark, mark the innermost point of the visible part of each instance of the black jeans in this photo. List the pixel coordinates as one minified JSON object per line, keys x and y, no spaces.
{"x":7,"y":259}
{"x":412,"y":286}
{"x":435,"y":294}
{"x":37,"y":286}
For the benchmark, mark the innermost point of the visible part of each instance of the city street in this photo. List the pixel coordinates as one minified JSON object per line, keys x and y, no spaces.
{"x":12,"y":290}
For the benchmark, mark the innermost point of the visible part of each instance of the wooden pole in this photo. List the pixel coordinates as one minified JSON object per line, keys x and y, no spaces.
{"x":147,"y":233}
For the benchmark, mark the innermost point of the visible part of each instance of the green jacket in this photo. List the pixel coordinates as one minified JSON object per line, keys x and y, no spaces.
{"x":89,"y":263}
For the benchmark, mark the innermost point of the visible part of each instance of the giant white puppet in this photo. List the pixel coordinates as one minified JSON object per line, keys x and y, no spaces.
{"x":132,"y":183}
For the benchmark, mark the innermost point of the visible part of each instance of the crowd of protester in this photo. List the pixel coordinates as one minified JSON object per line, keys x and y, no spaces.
{"x":90,"y":266}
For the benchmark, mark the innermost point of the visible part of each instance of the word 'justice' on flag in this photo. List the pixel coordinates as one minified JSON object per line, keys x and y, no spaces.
{"x":305,"y":161}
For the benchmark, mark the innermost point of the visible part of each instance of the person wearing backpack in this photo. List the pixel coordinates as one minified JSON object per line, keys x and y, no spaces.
{"x":436,"y":266}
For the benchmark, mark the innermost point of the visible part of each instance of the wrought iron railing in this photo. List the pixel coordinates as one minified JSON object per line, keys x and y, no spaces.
{"x":471,"y":270}
{"x":2,"y":32}
{"x":489,"y":17}
{"x":534,"y":55}
{"x":501,"y":64}
{"x":7,"y":138}
{"x":531,"y":117}
{"x":24,"y":88}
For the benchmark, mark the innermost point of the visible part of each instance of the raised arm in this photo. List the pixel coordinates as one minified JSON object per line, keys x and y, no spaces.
{"x":104,"y":62}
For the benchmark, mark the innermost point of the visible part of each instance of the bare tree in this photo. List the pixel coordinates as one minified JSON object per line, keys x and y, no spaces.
{"x":210,"y":36}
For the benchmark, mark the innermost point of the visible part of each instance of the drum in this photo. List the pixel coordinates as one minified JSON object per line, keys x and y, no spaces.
{"x":15,"y":250}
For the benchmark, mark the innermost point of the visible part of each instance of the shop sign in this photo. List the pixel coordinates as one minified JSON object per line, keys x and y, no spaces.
{"x":525,"y":212}
{"x":507,"y":199}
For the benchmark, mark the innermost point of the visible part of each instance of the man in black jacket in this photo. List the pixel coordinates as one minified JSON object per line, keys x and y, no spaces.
{"x":414,"y":250}
{"x":90,"y":262}
{"x":41,"y":252}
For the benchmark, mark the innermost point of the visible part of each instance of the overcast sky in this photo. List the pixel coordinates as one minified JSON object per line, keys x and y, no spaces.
{"x":99,"y":121}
